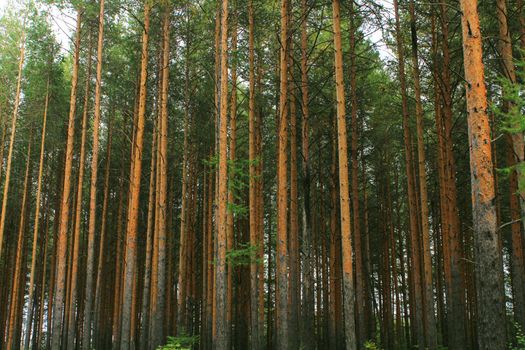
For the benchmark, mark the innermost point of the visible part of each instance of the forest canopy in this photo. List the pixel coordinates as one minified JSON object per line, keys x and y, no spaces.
{"x":262,"y":174}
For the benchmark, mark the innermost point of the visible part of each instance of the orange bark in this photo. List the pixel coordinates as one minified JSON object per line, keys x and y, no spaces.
{"x":127,"y":342}
{"x":221,"y":339}
{"x":488,"y":267}
{"x":61,"y":245}
{"x":346,"y":234}
{"x":282,"y":190}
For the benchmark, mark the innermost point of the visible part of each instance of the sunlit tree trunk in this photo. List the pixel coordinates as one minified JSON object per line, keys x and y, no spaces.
{"x":221,"y":339}
{"x":61,"y":245}
{"x":134,"y":191}
{"x":346,"y":234}
{"x":294,"y":254}
{"x":359,"y":282}
{"x":72,"y":302}
{"x":93,"y":189}
{"x":282,"y":190}
{"x":488,"y":261}
{"x":232,"y":157}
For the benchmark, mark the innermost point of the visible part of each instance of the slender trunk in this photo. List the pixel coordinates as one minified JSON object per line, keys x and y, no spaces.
{"x":117,"y":286}
{"x":232,"y":157}
{"x":209,"y":260}
{"x":127,"y":342}
{"x":37,"y":338}
{"x":78,"y":210}
{"x":516,"y":157}
{"x":369,"y":295}
{"x":93,"y":189}
{"x":157,"y":306}
{"x":101,"y":260}
{"x":260,"y":211}
{"x":488,"y":260}
{"x":360,"y":290}
{"x":294,"y":292}
{"x":222,"y":335}
{"x":12,"y":138}
{"x":452,"y":261}
{"x":36,"y":226}
{"x":181,"y":298}
{"x":417,"y":305}
{"x":61,"y":245}
{"x":3,"y":124}
{"x":255,"y":267}
{"x":17,"y":291}
{"x":346,"y":234}
{"x":282,"y":190}
{"x":145,"y":315}
{"x":308,"y":306}
{"x":429,"y":320}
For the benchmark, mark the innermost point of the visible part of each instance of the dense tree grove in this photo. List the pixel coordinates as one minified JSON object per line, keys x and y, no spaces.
{"x":262,"y":174}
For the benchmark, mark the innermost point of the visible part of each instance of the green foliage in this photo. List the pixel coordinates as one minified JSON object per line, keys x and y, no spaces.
{"x":182,"y":342}
{"x":514,"y":97}
{"x":511,"y":113}
{"x":246,"y":254}
{"x":520,"y":339}
{"x":238,"y":181}
{"x":371,"y":345}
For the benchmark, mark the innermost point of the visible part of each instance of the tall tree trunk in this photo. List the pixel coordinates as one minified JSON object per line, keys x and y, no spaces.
{"x":61,"y":245}
{"x":255,"y":267}
{"x":488,"y":261}
{"x":93,"y":189}
{"x":516,"y":146}
{"x":102,"y":245}
{"x":308,"y":305}
{"x":127,"y":342}
{"x":158,"y":305}
{"x":294,"y":292}
{"x":231,"y":196}
{"x":453,"y":266}
{"x":336,"y":339}
{"x":429,"y":320}
{"x":417,"y":305}
{"x":282,"y":190}
{"x":260,"y":210}
{"x":181,"y":297}
{"x":17,"y":291}
{"x":346,"y":234}
{"x":37,"y":338}
{"x":117,"y":286}
{"x":145,"y":314}
{"x":221,"y":336}
{"x":36,"y":226}
{"x":359,"y":277}
{"x":12,"y":138}
{"x":78,"y":210}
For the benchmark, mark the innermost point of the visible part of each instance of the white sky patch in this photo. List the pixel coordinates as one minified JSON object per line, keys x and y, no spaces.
{"x":62,"y":20}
